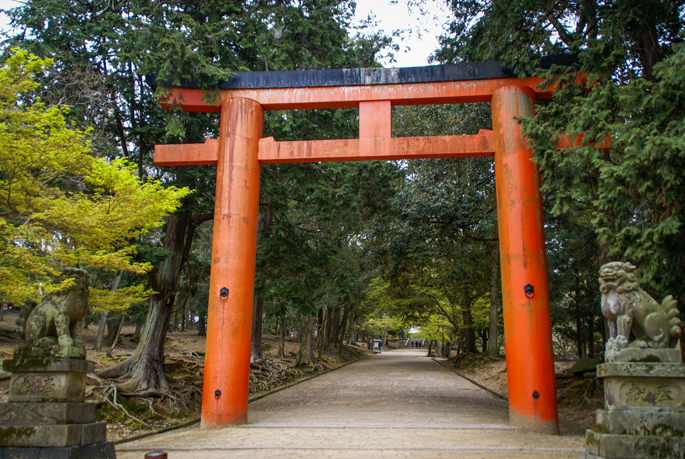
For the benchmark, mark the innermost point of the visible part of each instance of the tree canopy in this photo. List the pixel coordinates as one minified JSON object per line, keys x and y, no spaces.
{"x":627,"y":86}
{"x":60,"y":206}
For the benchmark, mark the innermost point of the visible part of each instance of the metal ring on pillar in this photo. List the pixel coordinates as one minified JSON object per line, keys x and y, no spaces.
{"x":529,"y":290}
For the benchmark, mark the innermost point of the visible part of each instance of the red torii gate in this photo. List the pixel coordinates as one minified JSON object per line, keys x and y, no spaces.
{"x":240,"y":150}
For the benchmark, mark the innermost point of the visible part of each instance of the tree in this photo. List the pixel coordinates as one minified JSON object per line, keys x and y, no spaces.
{"x":59,"y":206}
{"x":438,"y":241}
{"x":201,"y":41}
{"x":626,"y":85}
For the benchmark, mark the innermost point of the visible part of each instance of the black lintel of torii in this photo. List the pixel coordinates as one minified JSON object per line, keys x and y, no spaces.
{"x":371,"y":76}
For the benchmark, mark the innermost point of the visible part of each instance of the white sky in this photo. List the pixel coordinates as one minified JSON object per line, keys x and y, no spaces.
{"x":418,"y":32}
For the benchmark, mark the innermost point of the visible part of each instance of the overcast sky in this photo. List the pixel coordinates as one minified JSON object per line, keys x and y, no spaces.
{"x":418,"y":32}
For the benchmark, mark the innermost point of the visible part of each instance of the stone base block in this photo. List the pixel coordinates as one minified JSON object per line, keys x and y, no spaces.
{"x":104,"y":450}
{"x":645,"y":355}
{"x":659,"y":423}
{"x":52,"y":435}
{"x":613,"y":446}
{"x":643,"y":386}
{"x":47,"y":413}
{"x":80,"y":365}
{"x":45,"y":386}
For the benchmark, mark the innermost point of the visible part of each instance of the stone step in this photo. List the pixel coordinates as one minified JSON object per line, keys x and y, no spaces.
{"x":47,"y":413}
{"x":612,"y":446}
{"x":44,"y":386}
{"x":103,"y":450}
{"x":660,"y":423}
{"x":53,"y":435}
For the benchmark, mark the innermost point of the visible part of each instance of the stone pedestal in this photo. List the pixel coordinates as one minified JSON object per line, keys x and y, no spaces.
{"x":644,"y":415}
{"x":46,"y":417}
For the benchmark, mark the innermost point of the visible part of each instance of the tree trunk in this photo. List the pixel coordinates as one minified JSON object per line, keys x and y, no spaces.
{"x":484,"y":339}
{"x":112,"y":327}
{"x":136,"y":333}
{"x":579,"y":319}
{"x":591,"y":337}
{"x":493,"y":345}
{"x":343,"y":325}
{"x":335,"y":327}
{"x":352,"y":332}
{"x":281,"y":338}
{"x":116,"y":337}
{"x":469,"y":332}
{"x":328,"y":321}
{"x":305,"y":354}
{"x":320,"y":334}
{"x":201,"y":325}
{"x":186,"y":316}
{"x":256,"y":353}
{"x":101,"y":332}
{"x":145,"y":366}
{"x":103,"y":319}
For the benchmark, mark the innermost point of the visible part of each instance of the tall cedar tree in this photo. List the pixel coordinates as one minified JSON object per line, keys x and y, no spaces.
{"x":628,"y":85}
{"x":115,"y":46}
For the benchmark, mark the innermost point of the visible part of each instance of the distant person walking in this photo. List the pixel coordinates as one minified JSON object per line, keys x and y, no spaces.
{"x":380,"y":344}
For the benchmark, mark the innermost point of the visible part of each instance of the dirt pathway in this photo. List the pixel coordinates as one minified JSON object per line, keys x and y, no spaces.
{"x":398,"y":404}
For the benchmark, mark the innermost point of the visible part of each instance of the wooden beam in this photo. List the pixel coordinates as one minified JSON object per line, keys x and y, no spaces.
{"x":187,"y":154}
{"x":270,"y":151}
{"x":375,"y":119}
{"x":379,"y":148}
{"x":446,"y":92}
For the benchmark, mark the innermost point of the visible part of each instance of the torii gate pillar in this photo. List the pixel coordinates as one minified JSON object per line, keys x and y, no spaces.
{"x":234,"y":248}
{"x":525,"y":288}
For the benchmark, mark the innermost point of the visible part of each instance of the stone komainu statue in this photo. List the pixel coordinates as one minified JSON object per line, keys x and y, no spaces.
{"x":629,"y":308}
{"x":52,"y":328}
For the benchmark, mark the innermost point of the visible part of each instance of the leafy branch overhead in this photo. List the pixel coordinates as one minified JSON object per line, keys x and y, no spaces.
{"x":60,"y":206}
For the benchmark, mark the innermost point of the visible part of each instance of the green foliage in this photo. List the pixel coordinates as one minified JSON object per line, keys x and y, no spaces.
{"x":58,"y":205}
{"x":437,"y":242}
{"x":626,"y":86}
{"x":634,"y":191}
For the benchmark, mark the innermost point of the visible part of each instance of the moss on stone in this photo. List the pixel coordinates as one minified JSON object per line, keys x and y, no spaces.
{"x":601,"y":428}
{"x":647,"y":359}
{"x":10,"y":434}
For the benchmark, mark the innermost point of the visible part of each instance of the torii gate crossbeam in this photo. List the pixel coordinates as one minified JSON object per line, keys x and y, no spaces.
{"x":240,"y":149}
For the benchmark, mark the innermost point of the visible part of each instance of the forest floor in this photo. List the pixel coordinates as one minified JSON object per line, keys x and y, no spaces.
{"x":183,"y":366}
{"x":578,"y":397}
{"x":397,"y":404}
{"x":184,"y":363}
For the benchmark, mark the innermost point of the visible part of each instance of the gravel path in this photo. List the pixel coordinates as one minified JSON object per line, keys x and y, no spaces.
{"x":398,"y":404}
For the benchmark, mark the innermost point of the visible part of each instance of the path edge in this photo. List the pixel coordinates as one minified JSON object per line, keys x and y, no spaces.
{"x":570,"y":426}
{"x":250,"y":400}
{"x":446,"y":366}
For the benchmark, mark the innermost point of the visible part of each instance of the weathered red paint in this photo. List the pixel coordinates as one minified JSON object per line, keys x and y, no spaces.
{"x":271,"y":151}
{"x":374,"y":119}
{"x":234,"y":248}
{"x":188,"y":154}
{"x":240,"y":150}
{"x":527,"y":322}
{"x":447,"y":92}
{"x":369,"y":149}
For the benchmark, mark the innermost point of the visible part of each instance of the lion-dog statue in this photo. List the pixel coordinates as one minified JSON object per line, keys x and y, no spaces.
{"x":52,"y":328}
{"x":629,"y":308}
